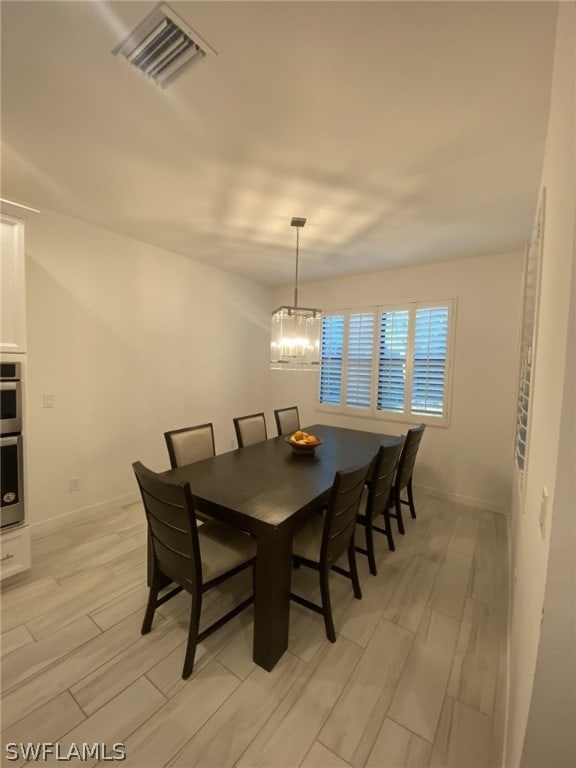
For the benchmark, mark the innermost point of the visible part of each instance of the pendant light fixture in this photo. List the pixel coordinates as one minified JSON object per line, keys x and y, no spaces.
{"x":295,"y":338}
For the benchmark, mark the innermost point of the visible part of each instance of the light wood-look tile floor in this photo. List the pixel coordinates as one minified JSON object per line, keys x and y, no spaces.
{"x":416,"y":677}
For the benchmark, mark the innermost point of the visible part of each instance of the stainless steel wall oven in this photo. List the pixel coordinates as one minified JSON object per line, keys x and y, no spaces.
{"x":10,"y":398}
{"x":11,"y":447}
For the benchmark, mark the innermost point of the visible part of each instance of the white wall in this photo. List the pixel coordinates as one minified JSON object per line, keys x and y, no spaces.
{"x":530,"y":551}
{"x":550,"y":732}
{"x":469,"y":460}
{"x":133,"y":341}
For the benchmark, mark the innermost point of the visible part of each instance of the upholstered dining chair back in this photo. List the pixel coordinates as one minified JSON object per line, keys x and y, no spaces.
{"x":341,"y":513}
{"x":381,"y":478}
{"x":250,"y":429}
{"x":408,"y":456}
{"x":404,"y":474}
{"x":374,"y":505}
{"x":287,"y":420}
{"x":190,"y":444}
{"x":172,"y":526}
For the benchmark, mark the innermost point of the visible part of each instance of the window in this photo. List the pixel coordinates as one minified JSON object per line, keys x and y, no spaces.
{"x":388,"y":362}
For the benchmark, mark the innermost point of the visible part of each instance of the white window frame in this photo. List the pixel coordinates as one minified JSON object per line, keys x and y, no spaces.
{"x":407,"y":416}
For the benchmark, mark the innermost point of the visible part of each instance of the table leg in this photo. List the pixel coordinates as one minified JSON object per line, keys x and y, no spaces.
{"x":272,"y":598}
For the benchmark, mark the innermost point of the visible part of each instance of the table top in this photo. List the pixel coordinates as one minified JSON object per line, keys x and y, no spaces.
{"x":269,"y":485}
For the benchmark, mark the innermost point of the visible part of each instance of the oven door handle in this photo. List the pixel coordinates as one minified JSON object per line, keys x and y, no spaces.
{"x":12,"y":440}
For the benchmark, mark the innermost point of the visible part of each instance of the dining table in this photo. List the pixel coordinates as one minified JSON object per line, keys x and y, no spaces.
{"x":269,"y":491}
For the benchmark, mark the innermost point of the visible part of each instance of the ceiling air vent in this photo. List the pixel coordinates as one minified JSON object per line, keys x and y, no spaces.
{"x":163,"y":46}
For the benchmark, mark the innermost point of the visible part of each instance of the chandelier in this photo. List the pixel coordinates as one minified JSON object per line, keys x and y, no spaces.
{"x":295,"y":337}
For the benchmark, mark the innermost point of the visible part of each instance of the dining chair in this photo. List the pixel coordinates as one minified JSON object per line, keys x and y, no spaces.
{"x":250,"y":429}
{"x":403,"y":479}
{"x":188,"y":445}
{"x":325,"y":538}
{"x":195,"y":558}
{"x":376,"y":498}
{"x":287,"y":420}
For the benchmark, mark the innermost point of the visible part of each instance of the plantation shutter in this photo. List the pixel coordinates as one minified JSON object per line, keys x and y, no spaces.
{"x":393,"y":344}
{"x":389,"y":362}
{"x":527,"y":338}
{"x":359,"y":369}
{"x":526,"y":341}
{"x":429,"y":366}
{"x":332,"y":343}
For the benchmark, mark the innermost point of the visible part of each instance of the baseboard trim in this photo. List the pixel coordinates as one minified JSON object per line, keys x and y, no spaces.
{"x":52,"y":523}
{"x":508,"y":650}
{"x":468,"y":501}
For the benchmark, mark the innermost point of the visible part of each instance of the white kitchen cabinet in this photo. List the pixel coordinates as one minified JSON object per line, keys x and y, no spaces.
{"x":12,"y":280}
{"x":12,"y":287}
{"x":14,"y":551}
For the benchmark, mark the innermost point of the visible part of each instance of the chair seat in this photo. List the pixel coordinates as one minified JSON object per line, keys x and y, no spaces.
{"x":222,"y":548}
{"x":308,"y":540}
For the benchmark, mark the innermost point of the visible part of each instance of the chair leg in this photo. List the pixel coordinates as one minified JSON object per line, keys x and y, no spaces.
{"x":354,"y":572}
{"x":192,"y":636}
{"x":150,"y":607}
{"x":398,"y":507}
{"x":370,"y":546}
{"x":326,"y":605}
{"x":411,"y":499}
{"x":388,"y":527}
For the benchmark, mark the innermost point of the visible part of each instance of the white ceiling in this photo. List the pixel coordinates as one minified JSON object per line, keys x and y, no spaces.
{"x":405,"y":132}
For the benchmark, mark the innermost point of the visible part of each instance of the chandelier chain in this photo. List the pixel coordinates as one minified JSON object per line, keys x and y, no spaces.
{"x":296,"y":276}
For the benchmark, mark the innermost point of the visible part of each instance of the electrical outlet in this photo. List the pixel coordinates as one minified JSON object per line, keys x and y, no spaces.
{"x":48,"y":400}
{"x":74,"y":484}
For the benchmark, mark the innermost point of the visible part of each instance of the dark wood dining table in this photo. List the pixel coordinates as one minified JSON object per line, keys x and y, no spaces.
{"x":269,"y":491}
